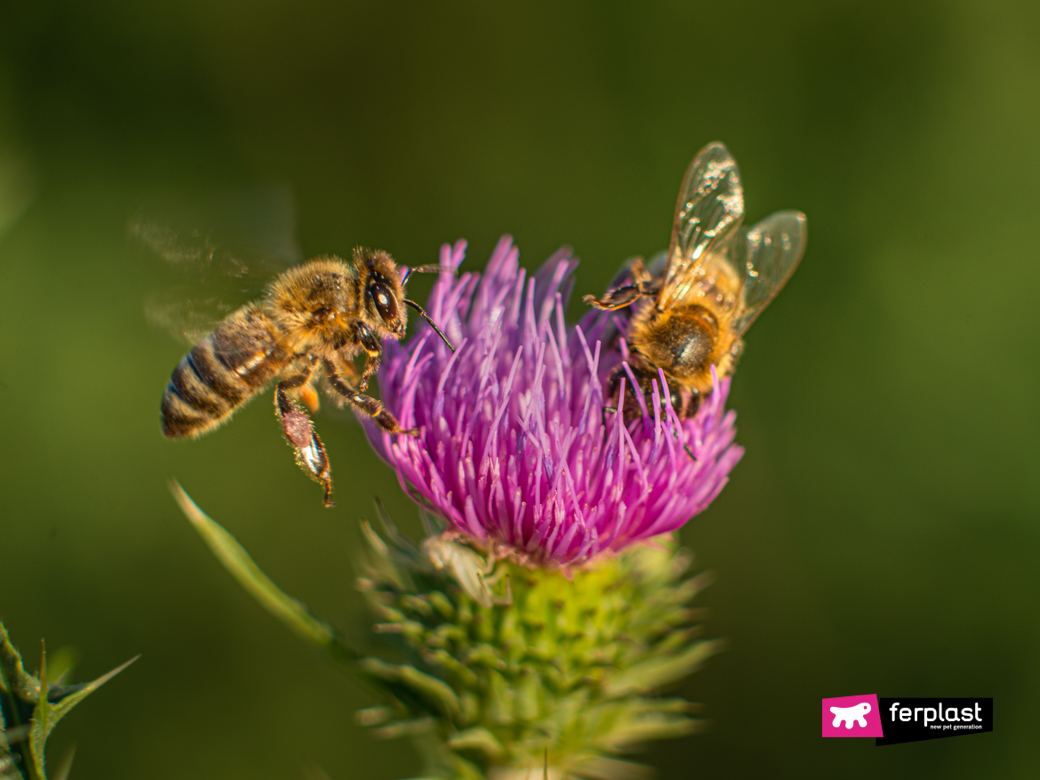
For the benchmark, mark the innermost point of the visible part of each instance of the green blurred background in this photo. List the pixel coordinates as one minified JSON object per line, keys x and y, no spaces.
{"x":880,"y":535}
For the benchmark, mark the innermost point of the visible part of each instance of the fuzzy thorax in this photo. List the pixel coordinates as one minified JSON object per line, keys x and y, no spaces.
{"x":685,"y":342}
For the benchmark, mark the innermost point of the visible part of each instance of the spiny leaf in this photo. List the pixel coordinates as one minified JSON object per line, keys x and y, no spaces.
{"x":294,"y":613}
{"x":655,"y":672}
{"x":406,"y":728}
{"x":47,"y":709}
{"x":641,"y":728}
{"x":477,"y":739}
{"x":63,"y":706}
{"x":430,"y":688}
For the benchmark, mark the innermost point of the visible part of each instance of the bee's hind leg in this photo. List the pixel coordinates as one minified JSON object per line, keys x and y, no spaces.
{"x":299,"y":432}
{"x":365,"y":403}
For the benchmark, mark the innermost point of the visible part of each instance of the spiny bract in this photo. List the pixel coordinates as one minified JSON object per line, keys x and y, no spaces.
{"x":503,"y":669}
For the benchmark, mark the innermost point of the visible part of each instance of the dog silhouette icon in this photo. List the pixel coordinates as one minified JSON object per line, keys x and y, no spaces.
{"x":850,"y":714}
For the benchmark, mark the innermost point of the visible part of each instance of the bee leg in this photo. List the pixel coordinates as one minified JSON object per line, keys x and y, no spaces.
{"x":299,"y":431}
{"x":627,"y":294}
{"x":372,"y":361}
{"x":613,"y":382}
{"x":301,"y":385}
{"x":690,"y":402}
{"x":365,"y":403}
{"x":373,"y":356}
{"x":346,"y":370}
{"x":615,"y":299}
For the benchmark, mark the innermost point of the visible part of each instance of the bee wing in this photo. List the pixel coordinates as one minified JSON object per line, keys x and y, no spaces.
{"x":766,"y":258}
{"x":707,"y":214}
{"x":204,"y":260}
{"x":186,"y":319}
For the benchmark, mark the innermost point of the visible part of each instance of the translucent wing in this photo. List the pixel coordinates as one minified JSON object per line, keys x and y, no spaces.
{"x":766,"y":258}
{"x":205,"y":260}
{"x":708,"y":212}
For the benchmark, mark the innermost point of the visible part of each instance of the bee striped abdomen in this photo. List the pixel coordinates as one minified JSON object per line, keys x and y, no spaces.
{"x":220,"y":373}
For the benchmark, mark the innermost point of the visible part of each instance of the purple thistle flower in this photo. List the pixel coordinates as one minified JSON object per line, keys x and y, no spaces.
{"x":514,"y":448}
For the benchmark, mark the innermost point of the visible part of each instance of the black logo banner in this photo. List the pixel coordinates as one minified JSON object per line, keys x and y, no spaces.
{"x":911,"y":720}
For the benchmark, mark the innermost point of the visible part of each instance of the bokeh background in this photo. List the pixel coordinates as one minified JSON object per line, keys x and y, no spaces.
{"x":881,"y":534}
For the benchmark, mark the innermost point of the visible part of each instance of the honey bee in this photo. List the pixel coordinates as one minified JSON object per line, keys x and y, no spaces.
{"x":716,"y":278}
{"x":311,"y":323}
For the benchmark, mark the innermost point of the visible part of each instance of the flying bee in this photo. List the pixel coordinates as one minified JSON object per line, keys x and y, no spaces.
{"x":716,"y":278}
{"x":311,"y":323}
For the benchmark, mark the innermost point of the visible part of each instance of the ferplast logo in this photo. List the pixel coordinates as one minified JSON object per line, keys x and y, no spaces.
{"x":891,"y":721}
{"x":912,"y":720}
{"x":852,"y":716}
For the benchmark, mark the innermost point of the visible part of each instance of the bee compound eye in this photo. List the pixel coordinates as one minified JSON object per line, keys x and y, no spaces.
{"x":384,"y":301}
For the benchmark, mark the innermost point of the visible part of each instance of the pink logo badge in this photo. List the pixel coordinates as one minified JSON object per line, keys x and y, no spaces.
{"x":852,"y":716}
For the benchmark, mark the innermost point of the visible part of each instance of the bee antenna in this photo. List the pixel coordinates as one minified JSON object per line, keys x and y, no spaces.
{"x":426,"y":269}
{"x":433,"y":324}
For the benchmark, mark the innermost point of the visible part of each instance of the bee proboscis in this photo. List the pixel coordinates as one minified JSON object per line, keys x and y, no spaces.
{"x":312,"y":322}
{"x":716,"y":278}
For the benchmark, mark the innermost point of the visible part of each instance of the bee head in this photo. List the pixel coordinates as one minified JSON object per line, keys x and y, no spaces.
{"x":382,"y":290}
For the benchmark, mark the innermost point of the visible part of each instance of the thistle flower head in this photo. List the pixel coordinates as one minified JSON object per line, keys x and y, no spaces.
{"x":515,"y":448}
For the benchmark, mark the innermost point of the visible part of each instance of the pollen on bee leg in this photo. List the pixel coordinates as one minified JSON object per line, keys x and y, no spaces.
{"x":309,"y":396}
{"x":298,"y":430}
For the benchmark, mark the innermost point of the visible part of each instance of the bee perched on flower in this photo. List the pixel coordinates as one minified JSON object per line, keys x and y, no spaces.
{"x":709,"y":287}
